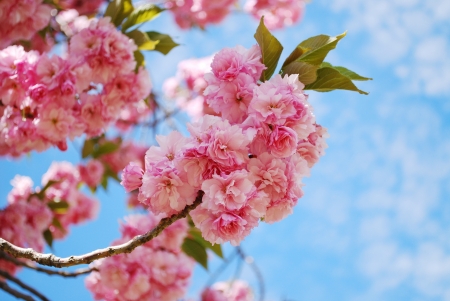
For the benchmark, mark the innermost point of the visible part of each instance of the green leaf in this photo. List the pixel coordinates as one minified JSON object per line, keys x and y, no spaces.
{"x":57,"y":224}
{"x":105,"y":182}
{"x":195,"y":250}
{"x":307,"y":73}
{"x":111,"y":174}
{"x":197,"y":236}
{"x":88,"y":148}
{"x":141,"y":14}
{"x":48,"y":236}
{"x":58,"y":207}
{"x":270,"y":48}
{"x":118,"y":10}
{"x":139,"y":58}
{"x":165,"y":44}
{"x":314,"y":50}
{"x":344,"y":71}
{"x":142,"y":40}
{"x":329,"y":79}
{"x":106,"y":148}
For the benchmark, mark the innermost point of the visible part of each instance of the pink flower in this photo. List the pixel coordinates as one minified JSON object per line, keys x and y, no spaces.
{"x":83,"y":7}
{"x":21,"y":19}
{"x":282,"y":142}
{"x":228,"y":192}
{"x":269,"y":175}
{"x":190,"y":13}
{"x":165,"y":192}
{"x":54,"y":123}
{"x":230,"y":62}
{"x":92,"y":173}
{"x":313,"y":148}
{"x":279,"y":210}
{"x":236,"y":290}
{"x":230,"y":98}
{"x":132,"y":177}
{"x":277,"y":13}
{"x":157,"y":270}
{"x":170,"y":147}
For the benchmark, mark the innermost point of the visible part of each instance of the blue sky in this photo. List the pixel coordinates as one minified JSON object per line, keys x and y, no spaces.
{"x":374,"y":221}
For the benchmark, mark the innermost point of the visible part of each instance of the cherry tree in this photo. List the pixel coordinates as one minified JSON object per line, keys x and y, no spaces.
{"x":253,"y":138}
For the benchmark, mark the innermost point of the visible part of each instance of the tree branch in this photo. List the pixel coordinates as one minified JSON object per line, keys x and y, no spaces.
{"x":15,"y":293}
{"x":75,"y":273}
{"x":23,"y":285}
{"x":55,"y":261}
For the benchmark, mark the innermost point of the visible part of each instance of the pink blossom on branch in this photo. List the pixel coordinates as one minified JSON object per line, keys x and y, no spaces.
{"x":157,"y":270}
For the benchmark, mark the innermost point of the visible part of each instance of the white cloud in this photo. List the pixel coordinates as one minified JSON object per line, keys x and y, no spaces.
{"x":409,"y":35}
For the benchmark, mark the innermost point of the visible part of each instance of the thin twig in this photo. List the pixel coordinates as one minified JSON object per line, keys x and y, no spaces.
{"x":23,"y":285}
{"x":15,"y":293}
{"x":55,"y":261}
{"x":220,"y":270}
{"x":256,"y":270}
{"x":75,"y":273}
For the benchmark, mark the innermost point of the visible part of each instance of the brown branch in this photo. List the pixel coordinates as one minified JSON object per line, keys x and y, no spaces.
{"x":15,"y":293}
{"x":75,"y":273}
{"x":55,"y":261}
{"x":23,"y":285}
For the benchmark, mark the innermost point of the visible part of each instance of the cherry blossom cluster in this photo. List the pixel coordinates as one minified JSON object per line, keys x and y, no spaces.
{"x":187,"y":86}
{"x":156,"y":271}
{"x":22,"y":19}
{"x":30,"y":211}
{"x":278,"y":13}
{"x":84,"y":7}
{"x":249,"y":160}
{"x":45,"y":100}
{"x":236,"y":290}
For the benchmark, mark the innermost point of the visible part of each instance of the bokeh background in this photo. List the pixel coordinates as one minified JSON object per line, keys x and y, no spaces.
{"x":375,"y":219}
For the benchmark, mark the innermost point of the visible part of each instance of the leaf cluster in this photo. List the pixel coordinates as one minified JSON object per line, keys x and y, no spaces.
{"x":307,"y":61}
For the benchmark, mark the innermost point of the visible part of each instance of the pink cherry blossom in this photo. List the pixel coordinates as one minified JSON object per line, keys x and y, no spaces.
{"x":132,"y":177}
{"x":21,"y":19}
{"x":236,"y":290}
{"x":277,"y":13}
{"x":165,"y":192}
{"x":91,"y":173}
{"x":228,"y":192}
{"x":190,"y":13}
{"x":230,"y":62}
{"x":157,"y":270}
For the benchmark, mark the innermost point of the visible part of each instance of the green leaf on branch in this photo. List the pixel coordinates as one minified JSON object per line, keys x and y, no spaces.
{"x":308,"y":56}
{"x":118,"y":10}
{"x":105,"y":148}
{"x":58,"y":206}
{"x":271,"y":49}
{"x":314,"y":50}
{"x":195,"y":250}
{"x":88,"y":148}
{"x":307,"y":73}
{"x":329,"y":79}
{"x":141,"y":14}
{"x":142,"y":40}
{"x":57,"y":224}
{"x":48,"y":236}
{"x":139,"y":58}
{"x":344,"y":71}
{"x":197,"y":236}
{"x":165,"y":44}
{"x":105,"y":182}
